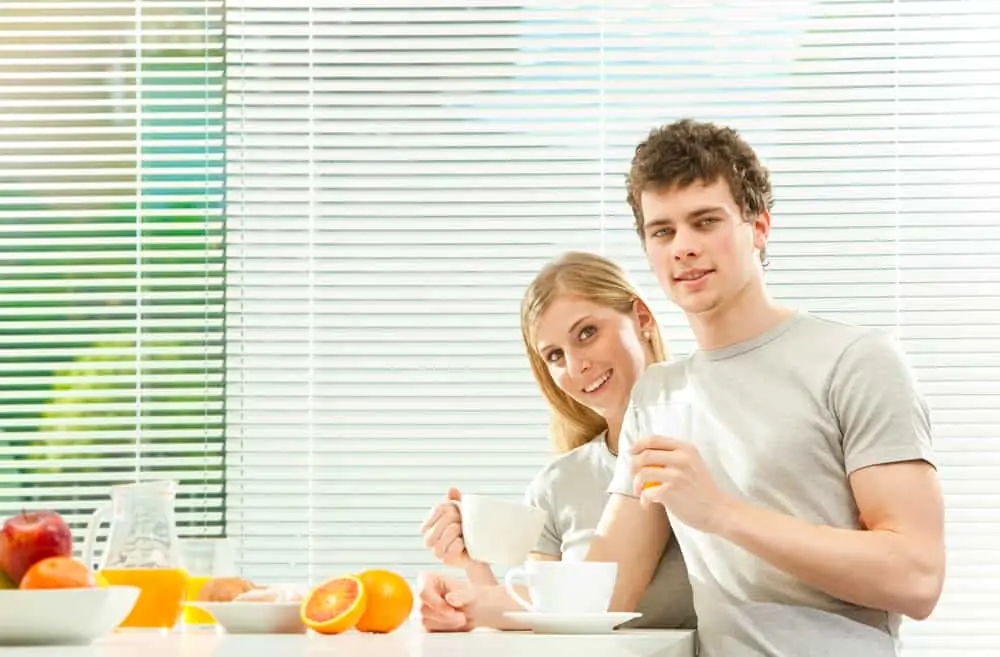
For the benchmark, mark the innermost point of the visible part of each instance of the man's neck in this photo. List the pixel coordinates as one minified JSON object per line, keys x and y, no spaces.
{"x":750,"y":314}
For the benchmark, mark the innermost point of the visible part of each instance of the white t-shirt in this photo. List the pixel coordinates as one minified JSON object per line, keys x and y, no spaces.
{"x":781,"y":420}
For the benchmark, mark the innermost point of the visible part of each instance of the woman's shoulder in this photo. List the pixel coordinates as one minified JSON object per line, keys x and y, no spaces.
{"x":589,"y":464}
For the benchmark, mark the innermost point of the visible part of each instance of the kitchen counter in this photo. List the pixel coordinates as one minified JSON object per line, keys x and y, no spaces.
{"x":406,"y":642}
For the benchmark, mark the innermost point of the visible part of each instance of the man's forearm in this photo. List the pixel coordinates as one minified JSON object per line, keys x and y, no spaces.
{"x":873,"y":568}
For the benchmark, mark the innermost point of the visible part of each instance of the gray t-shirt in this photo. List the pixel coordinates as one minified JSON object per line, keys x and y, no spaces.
{"x":781,"y":420}
{"x":572,"y":489}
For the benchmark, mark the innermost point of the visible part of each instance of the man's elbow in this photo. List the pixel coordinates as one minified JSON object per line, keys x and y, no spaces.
{"x":923,"y":590}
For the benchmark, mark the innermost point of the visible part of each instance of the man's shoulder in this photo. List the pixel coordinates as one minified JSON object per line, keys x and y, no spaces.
{"x":822,"y":336}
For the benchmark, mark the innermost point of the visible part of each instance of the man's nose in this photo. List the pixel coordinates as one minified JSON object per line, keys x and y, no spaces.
{"x":686,"y":244}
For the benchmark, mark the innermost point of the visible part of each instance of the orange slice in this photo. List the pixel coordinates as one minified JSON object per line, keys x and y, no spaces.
{"x":334,"y":606}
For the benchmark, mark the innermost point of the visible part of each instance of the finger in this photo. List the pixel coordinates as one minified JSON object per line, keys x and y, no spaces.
{"x":435,"y":625}
{"x":444,"y":523}
{"x":677,"y":459}
{"x":436,"y":513}
{"x":460,"y":598}
{"x":454,"y":551}
{"x":454,"y":494}
{"x":442,"y":621}
{"x":431,"y":590}
{"x":444,"y":541}
{"x":665,"y":443}
{"x":652,"y":495}
{"x":651,"y":458}
{"x":647,"y":478}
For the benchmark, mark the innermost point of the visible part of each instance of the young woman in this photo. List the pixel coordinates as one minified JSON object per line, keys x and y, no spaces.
{"x":589,"y":337}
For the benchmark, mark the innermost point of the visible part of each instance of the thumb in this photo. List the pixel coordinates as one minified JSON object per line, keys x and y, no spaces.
{"x":460,"y":597}
{"x":454,"y":494}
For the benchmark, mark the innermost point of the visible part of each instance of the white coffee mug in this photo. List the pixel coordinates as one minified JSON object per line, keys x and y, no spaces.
{"x":497,"y":531}
{"x":564,"y":587}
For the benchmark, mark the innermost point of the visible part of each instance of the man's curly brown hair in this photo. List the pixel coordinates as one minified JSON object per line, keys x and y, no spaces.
{"x":689,"y":151}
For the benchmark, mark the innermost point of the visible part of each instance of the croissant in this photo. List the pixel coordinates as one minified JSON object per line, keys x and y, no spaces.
{"x":224,"y":589}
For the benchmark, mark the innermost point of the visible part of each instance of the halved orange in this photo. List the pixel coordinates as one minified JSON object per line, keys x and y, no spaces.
{"x":334,"y":606}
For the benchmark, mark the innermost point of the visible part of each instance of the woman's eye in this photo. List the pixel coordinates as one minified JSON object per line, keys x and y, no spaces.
{"x":587,"y":331}
{"x":554,"y":356}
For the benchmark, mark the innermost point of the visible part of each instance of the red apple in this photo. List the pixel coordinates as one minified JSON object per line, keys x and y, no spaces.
{"x":29,"y":537}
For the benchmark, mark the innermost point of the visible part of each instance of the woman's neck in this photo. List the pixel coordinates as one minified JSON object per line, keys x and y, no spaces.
{"x":613,"y":434}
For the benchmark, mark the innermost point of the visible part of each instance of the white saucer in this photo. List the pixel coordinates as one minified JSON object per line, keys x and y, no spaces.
{"x":547,"y":623}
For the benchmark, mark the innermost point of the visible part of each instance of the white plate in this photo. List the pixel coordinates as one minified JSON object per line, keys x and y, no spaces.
{"x":255,"y":617}
{"x":62,"y":617}
{"x":602,"y":623}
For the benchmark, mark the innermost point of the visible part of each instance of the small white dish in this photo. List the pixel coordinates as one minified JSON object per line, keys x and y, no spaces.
{"x":63,"y":617}
{"x":549,"y":623}
{"x":255,"y":617}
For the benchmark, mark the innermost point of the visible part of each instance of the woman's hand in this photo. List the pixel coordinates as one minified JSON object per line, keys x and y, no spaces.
{"x":442,"y":532}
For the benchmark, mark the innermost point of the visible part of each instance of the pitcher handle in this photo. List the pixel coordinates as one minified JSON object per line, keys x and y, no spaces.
{"x":93,"y":524}
{"x":513,"y":576}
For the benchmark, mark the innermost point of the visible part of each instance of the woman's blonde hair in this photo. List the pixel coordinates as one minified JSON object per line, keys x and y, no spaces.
{"x":599,"y":280}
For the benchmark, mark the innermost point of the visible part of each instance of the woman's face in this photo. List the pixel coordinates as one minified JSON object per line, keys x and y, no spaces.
{"x":594,"y":353}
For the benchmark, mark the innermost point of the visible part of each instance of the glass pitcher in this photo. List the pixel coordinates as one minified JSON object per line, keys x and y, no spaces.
{"x":142,"y":550}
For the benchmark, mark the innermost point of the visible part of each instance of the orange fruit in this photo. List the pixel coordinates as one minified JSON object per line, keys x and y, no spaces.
{"x":334,"y":606}
{"x":58,"y":573}
{"x":390,"y":601}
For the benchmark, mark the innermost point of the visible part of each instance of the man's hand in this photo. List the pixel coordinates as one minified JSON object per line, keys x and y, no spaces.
{"x":671,"y":472}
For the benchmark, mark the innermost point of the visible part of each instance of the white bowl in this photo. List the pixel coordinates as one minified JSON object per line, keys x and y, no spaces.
{"x":255,"y":617}
{"x":62,"y":617}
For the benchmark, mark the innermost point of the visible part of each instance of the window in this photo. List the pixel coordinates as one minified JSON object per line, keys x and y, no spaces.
{"x":111,"y":255}
{"x":397,"y":176}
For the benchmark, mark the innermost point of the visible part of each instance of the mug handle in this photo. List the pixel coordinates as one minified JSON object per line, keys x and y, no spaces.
{"x":514,"y":576}
{"x":96,"y":519}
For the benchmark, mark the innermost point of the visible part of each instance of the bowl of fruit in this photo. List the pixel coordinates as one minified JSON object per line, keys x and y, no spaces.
{"x":243,"y":607}
{"x":46,"y":596}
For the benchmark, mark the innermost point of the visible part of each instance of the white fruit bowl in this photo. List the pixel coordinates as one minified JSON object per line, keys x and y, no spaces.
{"x":63,"y":617}
{"x":255,"y":617}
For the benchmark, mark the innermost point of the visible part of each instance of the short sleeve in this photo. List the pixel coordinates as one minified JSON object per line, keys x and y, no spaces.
{"x":621,"y":482}
{"x":874,"y":395}
{"x":539,"y":494}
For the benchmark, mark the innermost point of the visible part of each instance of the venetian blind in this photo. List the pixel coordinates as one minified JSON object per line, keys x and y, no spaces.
{"x":111,"y":292}
{"x":397,"y":175}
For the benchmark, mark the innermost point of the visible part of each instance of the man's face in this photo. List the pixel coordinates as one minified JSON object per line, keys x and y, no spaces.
{"x":702,"y":250}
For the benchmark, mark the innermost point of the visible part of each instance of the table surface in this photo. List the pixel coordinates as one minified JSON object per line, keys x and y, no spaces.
{"x":405,"y":642}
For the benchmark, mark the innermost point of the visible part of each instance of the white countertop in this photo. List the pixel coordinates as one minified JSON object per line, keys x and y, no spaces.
{"x":405,"y":642}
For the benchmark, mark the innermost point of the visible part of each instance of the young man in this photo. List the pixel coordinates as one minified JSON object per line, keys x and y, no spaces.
{"x":803,"y":495}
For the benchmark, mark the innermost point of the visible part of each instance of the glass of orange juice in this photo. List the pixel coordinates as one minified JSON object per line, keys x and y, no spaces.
{"x":203,"y":559}
{"x":161,"y":597}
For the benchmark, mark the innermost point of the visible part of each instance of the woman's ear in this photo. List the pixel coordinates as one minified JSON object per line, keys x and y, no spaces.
{"x":643,"y":315}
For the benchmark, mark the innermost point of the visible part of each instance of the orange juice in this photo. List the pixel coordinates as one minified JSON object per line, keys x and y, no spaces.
{"x":161,"y":594}
{"x":193,"y":615}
